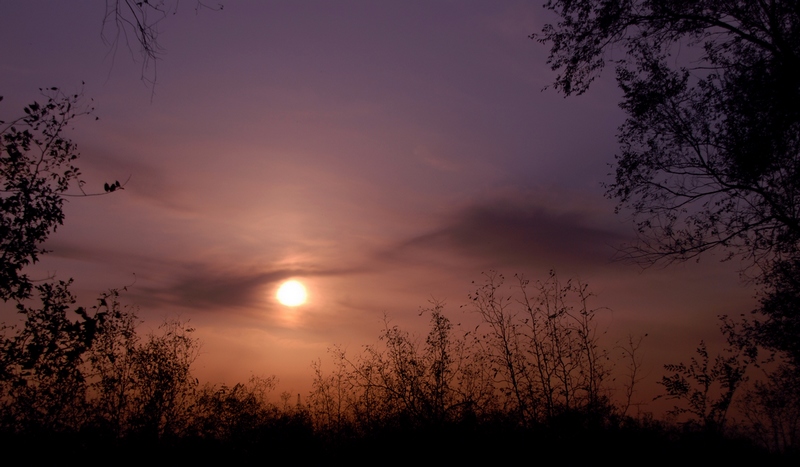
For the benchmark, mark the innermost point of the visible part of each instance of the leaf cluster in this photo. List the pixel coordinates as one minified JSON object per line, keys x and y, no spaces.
{"x":695,"y":384}
{"x":67,"y":368}
{"x":709,"y":151}
{"x":36,"y":170}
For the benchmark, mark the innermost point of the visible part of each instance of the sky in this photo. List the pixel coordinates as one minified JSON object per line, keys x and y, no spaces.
{"x":385,"y":154}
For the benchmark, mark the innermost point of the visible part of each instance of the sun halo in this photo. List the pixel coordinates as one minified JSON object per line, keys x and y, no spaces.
{"x":292,"y":293}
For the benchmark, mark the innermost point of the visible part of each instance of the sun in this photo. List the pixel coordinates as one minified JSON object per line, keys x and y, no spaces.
{"x":292,"y":293}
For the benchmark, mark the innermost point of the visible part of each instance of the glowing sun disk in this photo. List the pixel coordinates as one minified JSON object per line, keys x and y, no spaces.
{"x":292,"y":293}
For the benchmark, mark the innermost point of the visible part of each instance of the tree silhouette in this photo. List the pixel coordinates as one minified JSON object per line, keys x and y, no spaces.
{"x":706,"y":386}
{"x":41,"y":371}
{"x":36,"y":159}
{"x":773,"y":410}
{"x":709,"y":151}
{"x":69,"y":367}
{"x":404,"y":381}
{"x":65,"y":368}
{"x":36,"y":171}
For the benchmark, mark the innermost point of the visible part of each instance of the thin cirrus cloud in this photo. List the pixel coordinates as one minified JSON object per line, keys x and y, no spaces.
{"x":520,"y":234}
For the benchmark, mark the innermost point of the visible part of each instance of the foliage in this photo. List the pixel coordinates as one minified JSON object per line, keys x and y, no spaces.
{"x":679,"y":386}
{"x":404,"y":381}
{"x":709,"y":152}
{"x":111,"y":368}
{"x":228,"y":413}
{"x":773,"y":410}
{"x":544,"y":346}
{"x":330,"y":395}
{"x":108,"y":387}
{"x":530,"y":361}
{"x":42,"y":378}
{"x":779,"y":330}
{"x":36,"y":170}
{"x":164,"y":383}
{"x":707,"y":386}
{"x":431,"y":384}
{"x":67,"y":368}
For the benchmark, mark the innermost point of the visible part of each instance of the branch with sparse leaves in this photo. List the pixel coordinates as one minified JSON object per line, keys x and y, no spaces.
{"x":37,"y":172}
{"x":709,"y":152}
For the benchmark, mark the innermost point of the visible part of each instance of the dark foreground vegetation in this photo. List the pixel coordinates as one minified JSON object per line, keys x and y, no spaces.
{"x":531,"y":380}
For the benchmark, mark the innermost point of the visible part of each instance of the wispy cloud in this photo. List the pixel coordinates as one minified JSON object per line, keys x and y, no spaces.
{"x":518,"y":233}
{"x":205,"y":288}
{"x":144,"y":181}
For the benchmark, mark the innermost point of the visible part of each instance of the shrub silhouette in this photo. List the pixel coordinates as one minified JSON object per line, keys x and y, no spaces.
{"x":544,"y":346}
{"x":107,"y":387}
{"x":535,"y":359}
{"x":403,"y":381}
{"x":42,"y":377}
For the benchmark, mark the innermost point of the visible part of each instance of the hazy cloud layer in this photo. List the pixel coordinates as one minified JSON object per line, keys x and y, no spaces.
{"x":514,"y":233}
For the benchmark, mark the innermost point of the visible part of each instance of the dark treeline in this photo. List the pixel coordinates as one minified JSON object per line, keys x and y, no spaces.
{"x":532,"y":377}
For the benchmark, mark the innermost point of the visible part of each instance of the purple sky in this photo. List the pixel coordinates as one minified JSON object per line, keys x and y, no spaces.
{"x":384,"y":153}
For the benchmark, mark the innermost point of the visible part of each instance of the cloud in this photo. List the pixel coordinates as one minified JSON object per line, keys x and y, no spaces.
{"x":516,"y":233}
{"x":204,"y":288}
{"x":193,"y":285}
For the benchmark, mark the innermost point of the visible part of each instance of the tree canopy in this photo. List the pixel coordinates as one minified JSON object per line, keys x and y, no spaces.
{"x":709,"y":151}
{"x":36,"y":170}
